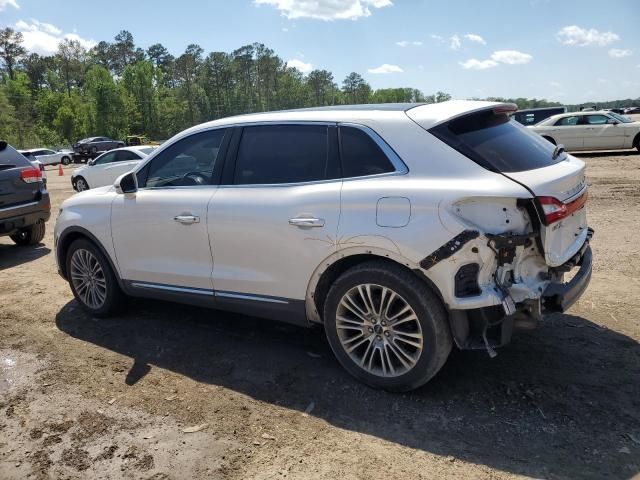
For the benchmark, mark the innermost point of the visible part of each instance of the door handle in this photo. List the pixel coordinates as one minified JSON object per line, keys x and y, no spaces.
{"x":186,"y":219}
{"x":306,"y":222}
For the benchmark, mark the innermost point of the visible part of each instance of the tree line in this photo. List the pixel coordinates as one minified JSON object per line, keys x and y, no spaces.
{"x":117,"y":88}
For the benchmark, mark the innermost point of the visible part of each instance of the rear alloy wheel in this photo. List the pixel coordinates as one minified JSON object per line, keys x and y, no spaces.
{"x":386,"y":327}
{"x":92,"y":280}
{"x":65,"y":160}
{"x":32,"y":235}
{"x":81,"y":184}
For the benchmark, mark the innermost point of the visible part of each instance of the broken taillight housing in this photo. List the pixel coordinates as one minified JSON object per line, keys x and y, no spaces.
{"x":555,"y":209}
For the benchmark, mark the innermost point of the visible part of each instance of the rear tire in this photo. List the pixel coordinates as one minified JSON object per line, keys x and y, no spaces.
{"x":65,"y":160}
{"x":92,"y":280}
{"x":379,"y":344}
{"x":32,"y":235}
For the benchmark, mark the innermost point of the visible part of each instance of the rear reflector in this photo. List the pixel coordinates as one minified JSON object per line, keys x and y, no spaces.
{"x":555,"y":210}
{"x":31,"y":175}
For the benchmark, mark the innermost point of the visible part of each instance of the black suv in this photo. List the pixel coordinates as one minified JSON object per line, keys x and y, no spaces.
{"x":93,"y":145}
{"x":24,"y":200}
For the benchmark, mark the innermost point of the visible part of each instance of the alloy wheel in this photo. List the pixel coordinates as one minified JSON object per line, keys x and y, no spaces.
{"x":88,"y":278}
{"x":379,"y":330}
{"x":81,"y":185}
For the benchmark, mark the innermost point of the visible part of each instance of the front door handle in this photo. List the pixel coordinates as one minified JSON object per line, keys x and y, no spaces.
{"x":186,"y":219}
{"x":306,"y":222}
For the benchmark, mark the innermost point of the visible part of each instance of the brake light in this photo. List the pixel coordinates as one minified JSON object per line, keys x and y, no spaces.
{"x":505,"y":108}
{"x":555,"y":210}
{"x":31,"y":175}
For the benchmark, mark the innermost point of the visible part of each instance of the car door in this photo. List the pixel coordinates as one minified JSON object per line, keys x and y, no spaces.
{"x":47,"y":157}
{"x":96,"y":175}
{"x":124,"y":161}
{"x":160,"y":233}
{"x":601,"y":133}
{"x":274,"y":219}
{"x":569,"y":132}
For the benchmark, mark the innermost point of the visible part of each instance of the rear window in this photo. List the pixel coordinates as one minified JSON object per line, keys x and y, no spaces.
{"x":361,"y":156}
{"x":10,"y":157}
{"x":497,"y":143}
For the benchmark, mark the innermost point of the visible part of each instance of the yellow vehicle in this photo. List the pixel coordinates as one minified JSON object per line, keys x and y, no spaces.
{"x":134,"y":140}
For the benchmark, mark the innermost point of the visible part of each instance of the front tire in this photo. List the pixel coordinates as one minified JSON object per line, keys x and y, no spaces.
{"x":386,"y":327}
{"x":92,"y":279}
{"x":81,"y":184}
{"x":32,"y":235}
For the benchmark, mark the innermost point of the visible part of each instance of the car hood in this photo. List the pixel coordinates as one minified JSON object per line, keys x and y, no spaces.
{"x":80,"y":170}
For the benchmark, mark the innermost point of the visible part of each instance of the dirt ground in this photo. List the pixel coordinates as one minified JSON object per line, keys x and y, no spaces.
{"x":117,"y":398}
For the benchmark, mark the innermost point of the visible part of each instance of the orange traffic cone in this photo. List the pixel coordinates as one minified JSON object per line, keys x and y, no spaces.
{"x":60,"y":171}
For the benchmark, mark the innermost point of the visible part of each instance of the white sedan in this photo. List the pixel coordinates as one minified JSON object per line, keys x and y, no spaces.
{"x":104,"y":169}
{"x":590,"y":131}
{"x":48,"y":157}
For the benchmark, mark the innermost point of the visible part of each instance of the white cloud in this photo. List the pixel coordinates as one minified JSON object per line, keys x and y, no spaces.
{"x":406,"y":43}
{"x":581,"y":37}
{"x":386,"y":68}
{"x":437,"y":37}
{"x":603,"y":80}
{"x":619,"y":53}
{"x":44,"y":38}
{"x":5,"y":3}
{"x":300,"y":65}
{"x":555,"y":84}
{"x":475,"y":38}
{"x":511,"y":57}
{"x":285,"y":29}
{"x":454,"y":42}
{"x":475,"y":64}
{"x":326,"y":9}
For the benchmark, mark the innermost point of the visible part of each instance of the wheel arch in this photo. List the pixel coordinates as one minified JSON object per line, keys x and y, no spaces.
{"x":338,"y":263}
{"x":71,"y":234}
{"x":636,"y":141}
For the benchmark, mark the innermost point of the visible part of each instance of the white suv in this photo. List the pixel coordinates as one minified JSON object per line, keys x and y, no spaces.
{"x":402,"y":228}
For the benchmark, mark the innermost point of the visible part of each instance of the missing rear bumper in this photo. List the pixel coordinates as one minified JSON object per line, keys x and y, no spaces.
{"x":559,"y":297}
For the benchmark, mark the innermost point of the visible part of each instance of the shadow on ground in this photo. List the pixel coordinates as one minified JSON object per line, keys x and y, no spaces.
{"x":13,"y":255}
{"x":557,"y":403}
{"x":616,"y":153}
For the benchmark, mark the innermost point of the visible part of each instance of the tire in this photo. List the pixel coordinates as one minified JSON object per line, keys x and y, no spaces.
{"x":81,"y":184}
{"x":102,"y":296}
{"x":420,"y":364}
{"x":65,"y":160}
{"x":32,"y":235}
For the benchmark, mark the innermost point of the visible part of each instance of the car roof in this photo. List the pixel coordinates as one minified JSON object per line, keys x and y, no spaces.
{"x":427,"y":115}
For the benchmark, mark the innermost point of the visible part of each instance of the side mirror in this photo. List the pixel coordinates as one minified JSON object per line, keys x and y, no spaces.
{"x":91,"y":162}
{"x":126,"y":183}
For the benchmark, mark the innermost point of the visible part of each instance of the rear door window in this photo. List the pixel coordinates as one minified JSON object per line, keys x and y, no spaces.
{"x":11,"y":158}
{"x":126,"y":155}
{"x":360,"y":154}
{"x":567,"y":121}
{"x":277,"y":154}
{"x":497,"y":143}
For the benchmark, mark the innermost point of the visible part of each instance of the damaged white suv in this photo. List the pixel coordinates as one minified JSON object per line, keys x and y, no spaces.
{"x":402,"y":228}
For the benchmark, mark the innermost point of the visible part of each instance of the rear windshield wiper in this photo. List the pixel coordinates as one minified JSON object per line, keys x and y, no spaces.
{"x":557,"y":151}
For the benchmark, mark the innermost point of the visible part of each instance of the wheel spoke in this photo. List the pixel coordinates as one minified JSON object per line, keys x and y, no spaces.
{"x":87,"y":278}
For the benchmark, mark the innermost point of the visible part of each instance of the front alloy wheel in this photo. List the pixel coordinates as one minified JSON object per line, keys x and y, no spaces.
{"x":379,"y":330}
{"x":81,"y":184}
{"x":88,"y":279}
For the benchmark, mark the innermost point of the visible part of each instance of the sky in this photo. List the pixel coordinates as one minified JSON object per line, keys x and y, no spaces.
{"x":571,"y":51}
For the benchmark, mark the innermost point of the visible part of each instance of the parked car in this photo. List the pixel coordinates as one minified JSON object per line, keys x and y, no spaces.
{"x":47,"y":157}
{"x":632,"y":111}
{"x":402,"y":228}
{"x":24,"y":200}
{"x":107,"y":167}
{"x":531,"y":116}
{"x":590,"y":131}
{"x":619,"y":111}
{"x":93,"y":145}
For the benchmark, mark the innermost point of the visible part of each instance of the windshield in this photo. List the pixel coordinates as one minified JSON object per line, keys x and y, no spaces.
{"x":497,"y":143}
{"x":620,"y":118}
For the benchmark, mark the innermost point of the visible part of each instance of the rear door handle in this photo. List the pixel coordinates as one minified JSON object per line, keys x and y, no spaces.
{"x":186,"y":219}
{"x":306,"y":222}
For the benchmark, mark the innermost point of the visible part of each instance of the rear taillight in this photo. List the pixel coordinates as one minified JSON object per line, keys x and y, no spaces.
{"x":555,"y":210}
{"x":31,"y":175}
